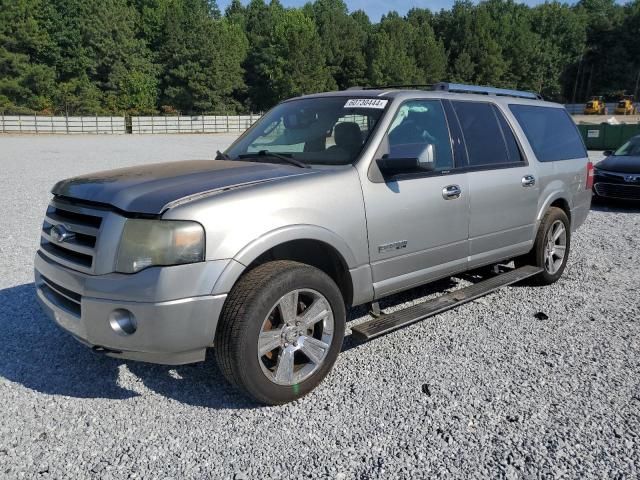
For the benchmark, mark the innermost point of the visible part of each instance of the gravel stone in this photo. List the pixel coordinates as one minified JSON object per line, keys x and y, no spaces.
{"x":511,"y":396}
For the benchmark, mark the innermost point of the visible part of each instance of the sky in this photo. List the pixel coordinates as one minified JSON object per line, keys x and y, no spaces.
{"x":376,"y":8}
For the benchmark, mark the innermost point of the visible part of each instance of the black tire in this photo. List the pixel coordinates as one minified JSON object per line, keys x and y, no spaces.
{"x":250,"y":302}
{"x":537,"y":254}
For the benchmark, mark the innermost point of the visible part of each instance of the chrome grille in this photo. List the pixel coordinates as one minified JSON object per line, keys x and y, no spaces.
{"x":80,"y":227}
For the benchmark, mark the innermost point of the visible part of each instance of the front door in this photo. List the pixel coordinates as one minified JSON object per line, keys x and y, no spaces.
{"x":417,"y":222}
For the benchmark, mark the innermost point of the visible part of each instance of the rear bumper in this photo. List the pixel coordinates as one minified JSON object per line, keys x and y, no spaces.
{"x":168,"y":330}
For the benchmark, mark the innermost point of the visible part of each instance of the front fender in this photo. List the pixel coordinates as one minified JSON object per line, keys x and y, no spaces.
{"x":276,"y":237}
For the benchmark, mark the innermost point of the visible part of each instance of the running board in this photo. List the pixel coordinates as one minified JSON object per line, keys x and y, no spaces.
{"x":386,"y":323}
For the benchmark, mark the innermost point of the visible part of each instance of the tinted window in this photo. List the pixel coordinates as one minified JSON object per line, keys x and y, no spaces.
{"x":417,"y":124}
{"x":550,"y":131}
{"x":482,"y":133}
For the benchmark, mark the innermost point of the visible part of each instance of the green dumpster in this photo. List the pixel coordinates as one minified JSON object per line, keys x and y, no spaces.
{"x":607,"y":137}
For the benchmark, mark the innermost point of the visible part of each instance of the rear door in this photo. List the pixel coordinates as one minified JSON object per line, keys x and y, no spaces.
{"x":503,"y":188}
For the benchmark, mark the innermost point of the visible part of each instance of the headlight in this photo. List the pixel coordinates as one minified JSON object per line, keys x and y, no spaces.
{"x":146,"y":243}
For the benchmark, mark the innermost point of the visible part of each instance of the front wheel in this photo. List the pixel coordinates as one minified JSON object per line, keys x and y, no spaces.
{"x":280,"y":331}
{"x":551,"y":248}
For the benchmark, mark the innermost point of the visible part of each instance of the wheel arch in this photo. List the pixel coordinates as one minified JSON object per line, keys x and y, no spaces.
{"x":312,"y":245}
{"x":556,"y":199}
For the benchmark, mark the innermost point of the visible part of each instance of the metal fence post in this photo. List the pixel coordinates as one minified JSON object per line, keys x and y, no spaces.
{"x":227,"y":124}
{"x":20,"y":122}
{"x":81,"y":124}
{"x":152,"y":129}
{"x":97,"y":129}
{"x":66,"y":122}
{"x":111,"y":121}
{"x":52,"y":128}
{"x":166,"y":125}
{"x":35,"y":119}
{"x":3,"y":128}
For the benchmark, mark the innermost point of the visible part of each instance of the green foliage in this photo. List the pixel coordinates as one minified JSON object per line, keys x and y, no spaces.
{"x":200,"y":58}
{"x":145,"y":56}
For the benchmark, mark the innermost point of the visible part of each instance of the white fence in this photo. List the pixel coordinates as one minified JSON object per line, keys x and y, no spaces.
{"x":196,"y":124}
{"x":118,"y":125}
{"x":46,"y":124}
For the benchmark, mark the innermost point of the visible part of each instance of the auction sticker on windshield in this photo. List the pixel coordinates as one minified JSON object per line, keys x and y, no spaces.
{"x":366,"y":103}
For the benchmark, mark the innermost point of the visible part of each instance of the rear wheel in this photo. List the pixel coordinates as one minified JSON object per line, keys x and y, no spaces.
{"x":551,"y":248}
{"x":280,"y":331}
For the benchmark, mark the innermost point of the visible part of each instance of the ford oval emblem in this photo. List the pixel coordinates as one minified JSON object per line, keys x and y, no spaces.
{"x":60,"y":234}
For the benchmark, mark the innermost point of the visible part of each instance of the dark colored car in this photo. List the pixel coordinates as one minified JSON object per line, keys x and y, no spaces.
{"x":618,"y":175}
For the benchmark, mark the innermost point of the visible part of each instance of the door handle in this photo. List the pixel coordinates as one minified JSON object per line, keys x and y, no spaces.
{"x":451,"y":192}
{"x":528,"y":181}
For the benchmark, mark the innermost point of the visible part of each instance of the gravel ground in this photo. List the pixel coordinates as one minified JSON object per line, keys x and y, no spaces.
{"x":492,"y":389}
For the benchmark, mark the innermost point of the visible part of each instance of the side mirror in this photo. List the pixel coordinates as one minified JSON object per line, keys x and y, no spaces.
{"x":427,"y":158}
{"x":607,"y":153}
{"x":400,"y":160}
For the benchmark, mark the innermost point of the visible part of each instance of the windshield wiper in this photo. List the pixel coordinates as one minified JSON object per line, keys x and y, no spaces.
{"x":267,"y":153}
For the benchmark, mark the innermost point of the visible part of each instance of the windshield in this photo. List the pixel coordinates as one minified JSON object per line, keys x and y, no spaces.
{"x":325,"y":130}
{"x":631,"y":148}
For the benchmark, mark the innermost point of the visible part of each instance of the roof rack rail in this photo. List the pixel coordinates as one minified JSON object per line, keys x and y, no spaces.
{"x":461,"y":88}
{"x":385,"y":87}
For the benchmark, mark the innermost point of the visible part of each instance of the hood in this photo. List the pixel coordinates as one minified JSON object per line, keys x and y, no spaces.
{"x":149,"y":189}
{"x":620,"y":164}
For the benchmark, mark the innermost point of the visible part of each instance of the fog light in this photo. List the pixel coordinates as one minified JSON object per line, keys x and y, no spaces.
{"x":123,"y":322}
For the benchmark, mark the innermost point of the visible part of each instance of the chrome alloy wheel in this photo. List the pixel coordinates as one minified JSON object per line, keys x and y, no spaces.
{"x":555,"y":247}
{"x":295,"y":337}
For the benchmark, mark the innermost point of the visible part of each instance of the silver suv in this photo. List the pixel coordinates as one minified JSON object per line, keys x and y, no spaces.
{"x":329,"y":201}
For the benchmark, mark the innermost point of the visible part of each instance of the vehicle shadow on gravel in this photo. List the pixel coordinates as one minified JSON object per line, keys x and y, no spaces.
{"x":615,"y":206}
{"x":40,"y":356}
{"x":389,"y":303}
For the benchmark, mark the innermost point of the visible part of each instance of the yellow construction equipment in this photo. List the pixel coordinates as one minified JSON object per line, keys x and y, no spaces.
{"x":595,"y":106}
{"x":626,"y":106}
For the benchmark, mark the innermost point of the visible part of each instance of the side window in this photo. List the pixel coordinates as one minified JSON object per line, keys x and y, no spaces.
{"x":551,"y":132}
{"x":486,"y":141}
{"x":417,"y":124}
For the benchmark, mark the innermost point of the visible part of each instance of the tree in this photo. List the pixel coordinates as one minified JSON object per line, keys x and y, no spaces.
{"x":27,"y":80}
{"x":343,"y":40}
{"x":296,"y":62}
{"x":562,"y":34}
{"x":285,"y":58}
{"x":201,"y":59}
{"x":429,"y":52}
{"x":391,"y":55}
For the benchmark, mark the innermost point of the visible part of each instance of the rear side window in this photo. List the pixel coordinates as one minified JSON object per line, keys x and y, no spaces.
{"x":551,"y":132}
{"x":488,"y":138}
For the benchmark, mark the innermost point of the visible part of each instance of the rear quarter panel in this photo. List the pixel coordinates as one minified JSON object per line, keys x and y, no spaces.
{"x":573,"y":176}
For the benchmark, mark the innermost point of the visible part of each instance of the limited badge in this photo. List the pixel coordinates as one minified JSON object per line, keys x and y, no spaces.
{"x":366,"y":103}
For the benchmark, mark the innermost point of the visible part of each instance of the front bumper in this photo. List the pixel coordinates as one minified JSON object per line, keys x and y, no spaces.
{"x":615,"y":186}
{"x":175,"y":313}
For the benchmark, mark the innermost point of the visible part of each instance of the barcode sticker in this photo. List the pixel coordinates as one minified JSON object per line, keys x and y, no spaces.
{"x":366,"y":103}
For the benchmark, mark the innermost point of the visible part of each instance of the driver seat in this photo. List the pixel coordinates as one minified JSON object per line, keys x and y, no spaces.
{"x":348,"y":137}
